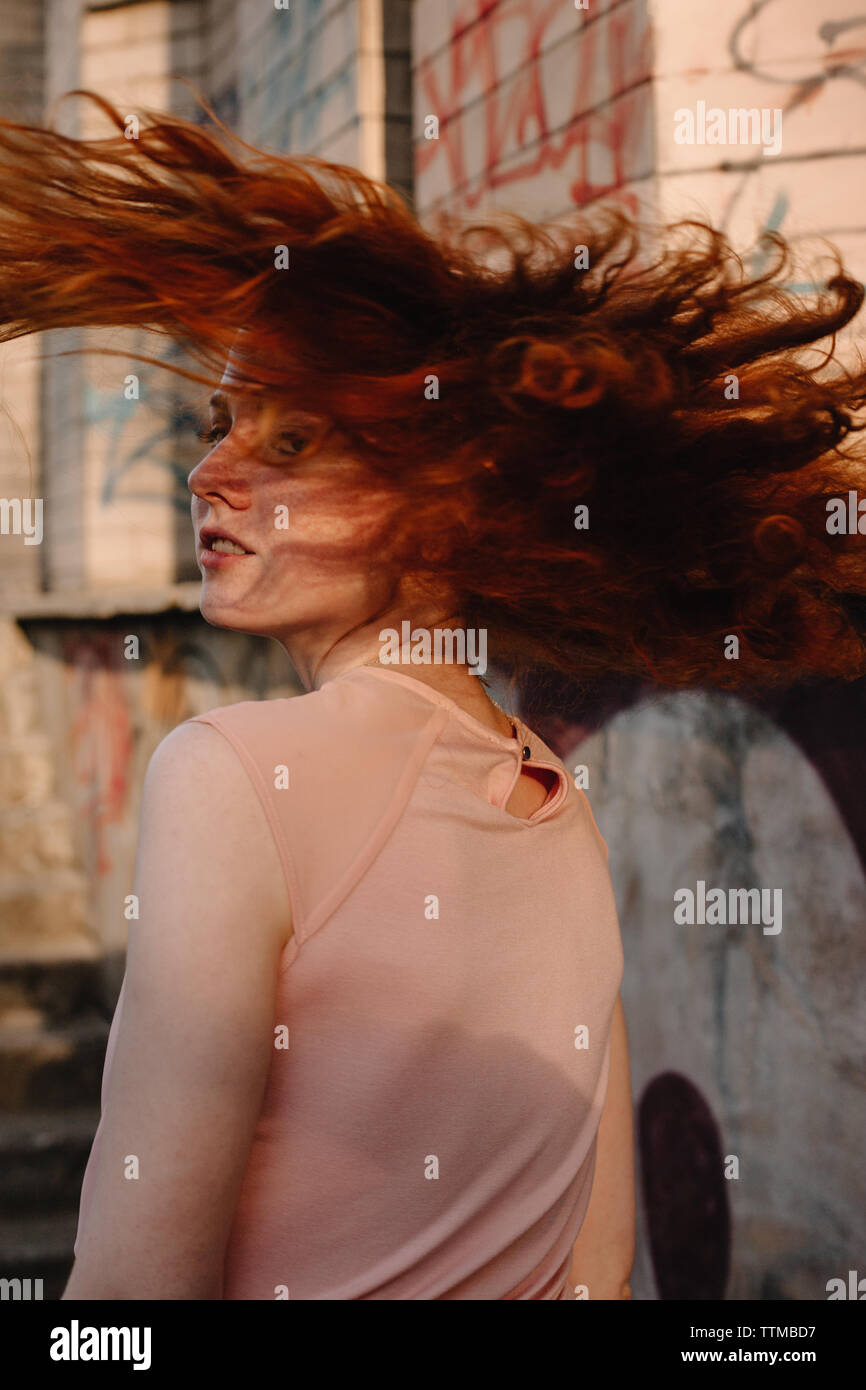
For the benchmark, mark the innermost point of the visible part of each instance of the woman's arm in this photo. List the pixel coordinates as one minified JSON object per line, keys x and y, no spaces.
{"x":603,"y":1253}
{"x":195,"y":1036}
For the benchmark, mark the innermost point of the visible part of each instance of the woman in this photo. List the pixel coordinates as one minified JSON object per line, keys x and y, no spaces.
{"x":370,"y":1042}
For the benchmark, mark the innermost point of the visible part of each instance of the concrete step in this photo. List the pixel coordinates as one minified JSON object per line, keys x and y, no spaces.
{"x":43,"y":1155}
{"x":38,"y":1248}
{"x":47,"y":1069}
{"x":57,"y":989}
{"x":18,"y":947}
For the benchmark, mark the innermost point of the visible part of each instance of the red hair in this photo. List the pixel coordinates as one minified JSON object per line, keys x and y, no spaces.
{"x":668,"y":396}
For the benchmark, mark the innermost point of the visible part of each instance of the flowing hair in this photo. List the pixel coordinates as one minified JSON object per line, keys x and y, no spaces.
{"x":617,"y":463}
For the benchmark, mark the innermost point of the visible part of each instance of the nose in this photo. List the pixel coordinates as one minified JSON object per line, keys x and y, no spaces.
{"x":220,"y":476}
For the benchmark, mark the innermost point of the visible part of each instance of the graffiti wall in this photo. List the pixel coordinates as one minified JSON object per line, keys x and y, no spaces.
{"x":538,"y":107}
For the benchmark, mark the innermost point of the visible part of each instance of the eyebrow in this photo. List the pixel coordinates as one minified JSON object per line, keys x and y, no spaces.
{"x":220,"y":401}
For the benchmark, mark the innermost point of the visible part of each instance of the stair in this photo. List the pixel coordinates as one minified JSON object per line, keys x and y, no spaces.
{"x":54,"y":1022}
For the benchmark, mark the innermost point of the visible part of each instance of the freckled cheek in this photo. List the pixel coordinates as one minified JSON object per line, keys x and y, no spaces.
{"x":323,"y":516}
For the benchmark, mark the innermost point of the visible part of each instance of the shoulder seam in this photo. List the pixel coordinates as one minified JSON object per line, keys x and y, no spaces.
{"x":592,"y":821}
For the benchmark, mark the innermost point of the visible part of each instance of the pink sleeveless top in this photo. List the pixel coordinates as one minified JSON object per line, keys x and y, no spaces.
{"x":429,"y":1131}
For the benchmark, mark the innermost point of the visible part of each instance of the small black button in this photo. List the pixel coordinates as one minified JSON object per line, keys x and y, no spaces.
{"x":527,"y":752}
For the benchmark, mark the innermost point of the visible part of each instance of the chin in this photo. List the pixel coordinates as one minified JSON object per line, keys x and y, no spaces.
{"x":227,"y":615}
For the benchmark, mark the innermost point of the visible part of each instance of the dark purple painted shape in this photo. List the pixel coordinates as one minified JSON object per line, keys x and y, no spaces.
{"x":685,"y":1190}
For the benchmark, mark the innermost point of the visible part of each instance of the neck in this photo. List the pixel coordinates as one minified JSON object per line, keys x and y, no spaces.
{"x":451,"y":678}
{"x":460,"y":685}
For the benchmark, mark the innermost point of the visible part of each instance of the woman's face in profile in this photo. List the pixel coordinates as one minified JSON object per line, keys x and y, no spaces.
{"x":306,"y":518}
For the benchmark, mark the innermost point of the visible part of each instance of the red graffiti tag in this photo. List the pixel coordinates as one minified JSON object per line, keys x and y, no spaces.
{"x":607,"y":110}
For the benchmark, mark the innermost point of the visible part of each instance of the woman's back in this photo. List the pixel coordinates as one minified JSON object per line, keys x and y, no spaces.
{"x":441,"y":1029}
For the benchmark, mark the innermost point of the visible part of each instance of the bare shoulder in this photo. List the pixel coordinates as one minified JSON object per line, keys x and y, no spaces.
{"x":201,"y":813}
{"x":187,"y":749}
